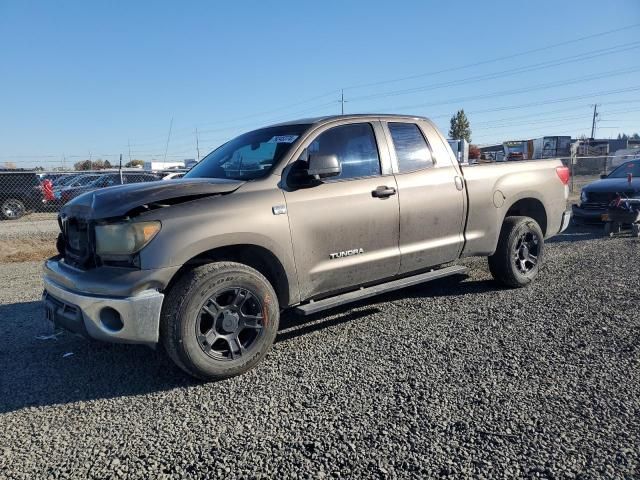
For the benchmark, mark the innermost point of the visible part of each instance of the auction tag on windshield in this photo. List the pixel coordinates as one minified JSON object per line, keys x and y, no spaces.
{"x":283,"y":139}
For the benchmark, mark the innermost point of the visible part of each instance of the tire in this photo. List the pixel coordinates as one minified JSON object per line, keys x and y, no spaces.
{"x":608,"y":230}
{"x":219,"y":320}
{"x":635,"y":230}
{"x":12,"y":209}
{"x":519,"y":254}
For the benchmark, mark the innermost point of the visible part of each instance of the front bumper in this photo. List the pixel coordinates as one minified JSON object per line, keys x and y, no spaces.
{"x":588,"y":215}
{"x":129,"y":314}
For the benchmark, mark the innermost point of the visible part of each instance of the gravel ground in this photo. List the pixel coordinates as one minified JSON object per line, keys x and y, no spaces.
{"x":39,"y":225}
{"x":456,"y":378}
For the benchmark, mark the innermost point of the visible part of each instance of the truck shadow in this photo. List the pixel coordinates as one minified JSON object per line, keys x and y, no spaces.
{"x":293,"y":325}
{"x":38,"y":369}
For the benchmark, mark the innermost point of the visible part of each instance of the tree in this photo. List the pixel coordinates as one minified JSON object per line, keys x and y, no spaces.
{"x":624,"y":136}
{"x":90,"y":165}
{"x":107,"y":164}
{"x":83,"y":165}
{"x":460,"y":128}
{"x":135,"y":163}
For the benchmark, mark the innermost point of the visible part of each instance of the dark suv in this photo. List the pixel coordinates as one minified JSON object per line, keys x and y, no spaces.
{"x":20,"y":192}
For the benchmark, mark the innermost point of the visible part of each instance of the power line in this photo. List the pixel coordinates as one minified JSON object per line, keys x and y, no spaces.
{"x":571,"y":81}
{"x":554,"y":101}
{"x":495,"y":59}
{"x":503,"y":73}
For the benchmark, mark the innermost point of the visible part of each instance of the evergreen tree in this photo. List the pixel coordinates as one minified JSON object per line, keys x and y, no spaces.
{"x":460,"y":128}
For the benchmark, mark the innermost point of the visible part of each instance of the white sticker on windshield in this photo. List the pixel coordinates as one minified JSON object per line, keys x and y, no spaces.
{"x":283,"y":139}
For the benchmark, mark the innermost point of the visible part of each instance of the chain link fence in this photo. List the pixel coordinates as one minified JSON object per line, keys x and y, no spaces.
{"x":30,"y":201}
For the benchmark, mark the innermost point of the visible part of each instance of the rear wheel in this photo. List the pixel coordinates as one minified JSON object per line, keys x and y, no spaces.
{"x":12,"y":209}
{"x":517,"y":259}
{"x":219,"y":320}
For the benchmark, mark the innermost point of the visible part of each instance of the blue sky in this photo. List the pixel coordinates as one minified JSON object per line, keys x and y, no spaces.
{"x":80,"y":77}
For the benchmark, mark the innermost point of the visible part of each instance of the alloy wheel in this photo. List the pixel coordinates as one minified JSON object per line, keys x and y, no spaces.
{"x":230,"y":323}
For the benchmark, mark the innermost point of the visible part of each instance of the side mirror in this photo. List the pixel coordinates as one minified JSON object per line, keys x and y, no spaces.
{"x":323,"y":166}
{"x":603,"y":175}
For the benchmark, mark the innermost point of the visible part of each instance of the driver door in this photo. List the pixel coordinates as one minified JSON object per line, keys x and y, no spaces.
{"x":345,"y":235}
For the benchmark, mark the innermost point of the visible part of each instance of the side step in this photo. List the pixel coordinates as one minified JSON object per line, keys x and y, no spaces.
{"x":349,"y":297}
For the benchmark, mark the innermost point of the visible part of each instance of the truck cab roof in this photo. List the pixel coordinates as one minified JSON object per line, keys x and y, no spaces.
{"x":362,"y":116}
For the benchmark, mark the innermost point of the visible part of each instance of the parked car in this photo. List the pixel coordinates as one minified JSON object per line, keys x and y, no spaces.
{"x":20,"y":192}
{"x":596,"y":196}
{"x":342,"y":208}
{"x":174,"y":176}
{"x":105,"y":180}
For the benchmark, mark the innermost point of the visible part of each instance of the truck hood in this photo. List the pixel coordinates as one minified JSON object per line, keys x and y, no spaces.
{"x":121,"y":199}
{"x":613,"y":185}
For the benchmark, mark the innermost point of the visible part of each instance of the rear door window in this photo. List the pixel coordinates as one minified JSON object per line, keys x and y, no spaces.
{"x":411,"y":148}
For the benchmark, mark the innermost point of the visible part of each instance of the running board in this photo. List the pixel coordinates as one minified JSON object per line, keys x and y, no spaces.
{"x":349,"y":297}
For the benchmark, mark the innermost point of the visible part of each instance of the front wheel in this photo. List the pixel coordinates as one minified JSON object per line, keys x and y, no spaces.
{"x":517,"y":259}
{"x":219,"y":320}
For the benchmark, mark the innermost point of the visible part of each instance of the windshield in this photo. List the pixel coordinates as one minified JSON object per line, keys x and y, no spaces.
{"x":623,"y":170}
{"x":249,"y":156}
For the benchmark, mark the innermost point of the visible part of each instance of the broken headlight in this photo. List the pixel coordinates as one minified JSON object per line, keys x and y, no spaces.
{"x":124,"y":238}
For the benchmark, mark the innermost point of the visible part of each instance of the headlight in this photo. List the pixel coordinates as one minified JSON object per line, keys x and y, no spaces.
{"x":124,"y":238}
{"x":583,"y":196}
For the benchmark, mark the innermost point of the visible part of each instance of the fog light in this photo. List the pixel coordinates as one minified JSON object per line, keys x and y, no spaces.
{"x":110,"y":319}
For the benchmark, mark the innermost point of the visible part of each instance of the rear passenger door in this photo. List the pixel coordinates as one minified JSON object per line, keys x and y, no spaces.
{"x":431,"y":196}
{"x":345,"y":229}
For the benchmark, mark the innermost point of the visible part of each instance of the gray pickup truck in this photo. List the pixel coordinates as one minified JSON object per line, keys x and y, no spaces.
{"x":304,"y":215}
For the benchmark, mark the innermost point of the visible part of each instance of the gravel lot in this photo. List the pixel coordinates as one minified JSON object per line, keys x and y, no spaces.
{"x":455,"y":378}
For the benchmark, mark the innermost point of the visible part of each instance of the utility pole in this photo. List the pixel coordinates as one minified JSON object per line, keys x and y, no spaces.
{"x":90,"y":161}
{"x":197,"y":144}
{"x":593,"y":122}
{"x":342,"y":101}
{"x":128,"y":145}
{"x":166,"y":148}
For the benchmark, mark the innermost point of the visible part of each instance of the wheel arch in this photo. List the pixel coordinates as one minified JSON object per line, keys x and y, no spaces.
{"x":529,"y":207}
{"x":254,"y":256}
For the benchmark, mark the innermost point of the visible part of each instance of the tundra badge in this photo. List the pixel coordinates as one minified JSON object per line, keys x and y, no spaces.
{"x":347,"y":253}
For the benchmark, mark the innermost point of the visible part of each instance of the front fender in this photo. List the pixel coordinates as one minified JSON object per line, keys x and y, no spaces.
{"x":241,"y":218}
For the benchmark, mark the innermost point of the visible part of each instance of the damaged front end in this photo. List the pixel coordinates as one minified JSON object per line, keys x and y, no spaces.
{"x":102,"y":228}
{"x":97,"y":286}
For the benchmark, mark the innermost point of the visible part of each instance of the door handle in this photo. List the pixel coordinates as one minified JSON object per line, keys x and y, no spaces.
{"x":383,"y":192}
{"x":459,"y":182}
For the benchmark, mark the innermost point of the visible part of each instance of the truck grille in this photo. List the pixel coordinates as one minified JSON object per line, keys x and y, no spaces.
{"x":78,"y":250}
{"x":601,"y":200}
{"x":605,"y":198}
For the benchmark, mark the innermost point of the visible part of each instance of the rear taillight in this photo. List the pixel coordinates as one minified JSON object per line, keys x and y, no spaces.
{"x":563,"y":174}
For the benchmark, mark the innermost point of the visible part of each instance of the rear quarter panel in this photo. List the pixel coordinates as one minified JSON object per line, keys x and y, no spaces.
{"x":494,"y":188}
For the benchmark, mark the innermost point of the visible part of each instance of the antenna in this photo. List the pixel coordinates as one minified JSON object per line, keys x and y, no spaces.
{"x":593,"y":122}
{"x":166,"y":148}
{"x":197,"y":144}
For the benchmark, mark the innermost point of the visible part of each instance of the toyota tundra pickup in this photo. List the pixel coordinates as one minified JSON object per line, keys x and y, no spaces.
{"x":304,"y":215}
